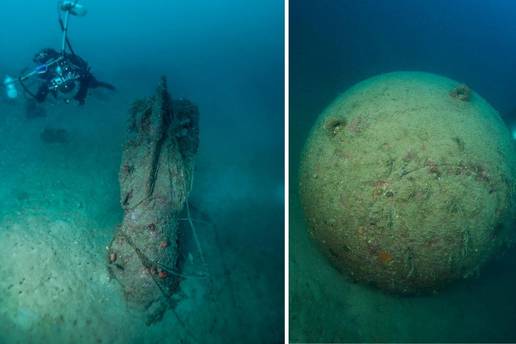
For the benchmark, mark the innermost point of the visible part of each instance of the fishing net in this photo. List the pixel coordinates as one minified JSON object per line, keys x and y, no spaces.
{"x":155,"y":178}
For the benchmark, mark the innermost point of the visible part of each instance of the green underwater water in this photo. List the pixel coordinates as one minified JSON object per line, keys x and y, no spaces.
{"x":59,"y":207}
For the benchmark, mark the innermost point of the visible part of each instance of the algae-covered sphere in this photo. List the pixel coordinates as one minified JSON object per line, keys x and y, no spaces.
{"x":407,"y":182}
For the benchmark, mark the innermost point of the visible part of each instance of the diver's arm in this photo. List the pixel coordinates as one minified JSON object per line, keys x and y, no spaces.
{"x":104,"y":85}
{"x":94,"y":83}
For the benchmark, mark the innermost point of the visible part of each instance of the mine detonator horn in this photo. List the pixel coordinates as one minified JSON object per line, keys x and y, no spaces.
{"x":69,"y":7}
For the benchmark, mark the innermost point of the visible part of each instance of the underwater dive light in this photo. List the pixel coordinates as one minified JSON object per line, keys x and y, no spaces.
{"x":10,"y":89}
{"x":73,"y":7}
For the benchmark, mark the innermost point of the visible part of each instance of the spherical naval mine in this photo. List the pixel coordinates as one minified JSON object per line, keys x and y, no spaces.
{"x":407,"y":182}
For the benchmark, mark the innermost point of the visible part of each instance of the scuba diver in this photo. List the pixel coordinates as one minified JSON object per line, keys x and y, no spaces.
{"x":70,"y":74}
{"x":62,"y":74}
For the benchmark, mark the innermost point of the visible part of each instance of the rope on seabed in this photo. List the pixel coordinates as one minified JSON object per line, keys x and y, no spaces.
{"x":194,"y":232}
{"x":178,"y":274}
{"x":189,"y":217}
{"x":171,"y":307}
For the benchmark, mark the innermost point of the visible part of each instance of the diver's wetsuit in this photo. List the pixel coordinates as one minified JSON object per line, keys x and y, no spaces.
{"x":72,"y":65}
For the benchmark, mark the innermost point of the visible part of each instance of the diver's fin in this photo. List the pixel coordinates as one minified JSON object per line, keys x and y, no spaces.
{"x":97,"y":84}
